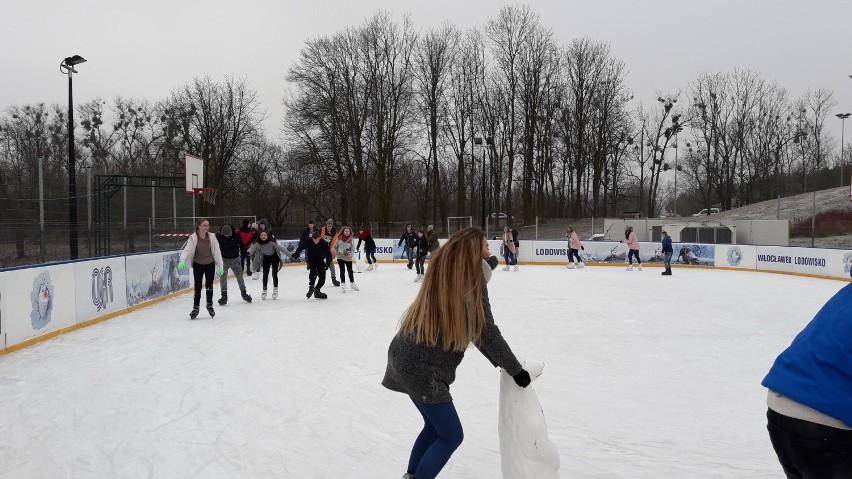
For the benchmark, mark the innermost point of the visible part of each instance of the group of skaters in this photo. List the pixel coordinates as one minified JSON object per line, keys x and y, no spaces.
{"x":252,"y":250}
{"x":575,"y":246}
{"x":417,"y":246}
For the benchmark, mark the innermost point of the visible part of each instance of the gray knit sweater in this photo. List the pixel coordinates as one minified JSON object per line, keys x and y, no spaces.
{"x":425,"y":372}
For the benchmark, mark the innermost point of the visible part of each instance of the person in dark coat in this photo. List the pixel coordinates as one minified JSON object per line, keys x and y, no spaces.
{"x":450,"y":312}
{"x":318,"y":255}
{"x":366,"y":236}
{"x":232,"y":249}
{"x":421,"y":248}
{"x":409,"y":237}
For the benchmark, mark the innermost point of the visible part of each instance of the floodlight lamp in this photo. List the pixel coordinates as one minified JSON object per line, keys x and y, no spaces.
{"x":75,"y":60}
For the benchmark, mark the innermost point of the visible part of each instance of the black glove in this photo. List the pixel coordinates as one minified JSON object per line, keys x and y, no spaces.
{"x":522,"y":379}
{"x":493,"y":262}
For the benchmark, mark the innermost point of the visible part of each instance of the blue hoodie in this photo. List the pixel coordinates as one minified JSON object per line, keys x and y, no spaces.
{"x":816,"y":370}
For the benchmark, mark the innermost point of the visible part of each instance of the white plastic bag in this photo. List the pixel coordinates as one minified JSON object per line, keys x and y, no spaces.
{"x":359,"y":263}
{"x":525,"y":449}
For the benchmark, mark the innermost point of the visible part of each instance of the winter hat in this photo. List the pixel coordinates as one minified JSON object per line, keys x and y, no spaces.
{"x":245,"y":223}
{"x":227,"y":231}
{"x":329,"y":221}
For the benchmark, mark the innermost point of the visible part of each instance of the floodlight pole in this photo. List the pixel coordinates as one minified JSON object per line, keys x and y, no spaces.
{"x":843,"y":117}
{"x":67,"y":67}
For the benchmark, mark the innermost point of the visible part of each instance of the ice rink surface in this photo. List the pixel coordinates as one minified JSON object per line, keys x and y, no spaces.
{"x":645,"y":376}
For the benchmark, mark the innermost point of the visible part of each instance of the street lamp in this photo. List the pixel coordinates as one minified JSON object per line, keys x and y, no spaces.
{"x":67,"y":67}
{"x":478,"y":141}
{"x":843,"y":117}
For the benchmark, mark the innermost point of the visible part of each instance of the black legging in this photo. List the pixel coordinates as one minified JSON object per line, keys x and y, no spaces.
{"x":270,"y":262}
{"x":371,"y":255}
{"x":199,"y":272}
{"x":631,"y":253}
{"x":419,"y":264}
{"x":573,"y":253}
{"x":345,"y":266}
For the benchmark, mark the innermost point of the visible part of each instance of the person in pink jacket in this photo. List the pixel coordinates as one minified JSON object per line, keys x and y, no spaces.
{"x":574,"y":247}
{"x":202,"y":248}
{"x":632,"y":248}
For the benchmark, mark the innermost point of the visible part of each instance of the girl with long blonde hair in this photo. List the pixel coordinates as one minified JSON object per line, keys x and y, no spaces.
{"x":450,"y":312}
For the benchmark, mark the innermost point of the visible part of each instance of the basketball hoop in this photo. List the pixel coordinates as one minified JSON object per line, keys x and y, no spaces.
{"x":209,"y":194}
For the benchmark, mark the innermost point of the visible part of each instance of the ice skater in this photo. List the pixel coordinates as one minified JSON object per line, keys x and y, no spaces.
{"x":668,"y":251}
{"x":409,"y":237}
{"x":345,"y":251}
{"x":451,"y":311}
{"x":265,"y":253}
{"x":329,"y":235}
{"x":318,"y":256}
{"x":632,"y":248}
{"x":510,"y":249}
{"x":232,"y":250}
{"x":366,"y":236}
{"x":574,"y":247}
{"x":421,"y":248}
{"x":202,"y":249}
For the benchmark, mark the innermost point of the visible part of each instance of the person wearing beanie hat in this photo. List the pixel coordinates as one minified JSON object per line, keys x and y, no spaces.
{"x":246,"y":233}
{"x":366,"y":236}
{"x":435,"y":331}
{"x":432,"y":238}
{"x":329,"y":235}
{"x":632,"y":247}
{"x":266,"y":253}
{"x":232,"y":249}
{"x":344,"y":250}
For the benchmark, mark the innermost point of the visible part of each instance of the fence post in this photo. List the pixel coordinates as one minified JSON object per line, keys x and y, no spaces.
{"x":41,"y":207}
{"x":813,"y":221}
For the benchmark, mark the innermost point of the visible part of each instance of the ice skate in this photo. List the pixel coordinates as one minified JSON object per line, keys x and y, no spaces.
{"x":370,"y":267}
{"x":343,"y":288}
{"x":410,"y":265}
{"x":245,"y":296}
{"x":376,"y":266}
{"x":570,"y":266}
{"x":310,"y":291}
{"x":630,"y":268}
{"x":335,"y":282}
{"x":640,"y":267}
{"x":581,"y":265}
{"x":224,"y":299}
{"x":319,"y":294}
{"x":506,"y":268}
{"x":418,"y":279}
{"x":516,"y":268}
{"x":275,"y":293}
{"x":263,"y":294}
{"x":354,"y":287}
{"x":210,"y":310}
{"x":194,"y":313}
{"x":255,"y":275}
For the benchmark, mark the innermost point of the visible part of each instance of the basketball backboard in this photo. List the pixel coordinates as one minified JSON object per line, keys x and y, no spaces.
{"x":194,"y":173}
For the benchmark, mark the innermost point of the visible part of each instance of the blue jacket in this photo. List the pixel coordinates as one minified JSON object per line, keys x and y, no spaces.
{"x":667,"y":245}
{"x":816,"y":370}
{"x":409,"y":237}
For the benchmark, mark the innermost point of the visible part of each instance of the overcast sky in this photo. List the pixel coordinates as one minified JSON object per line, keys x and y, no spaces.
{"x":144,"y":49}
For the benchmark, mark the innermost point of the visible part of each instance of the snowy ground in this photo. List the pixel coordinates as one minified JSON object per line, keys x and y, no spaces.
{"x":646,"y":377}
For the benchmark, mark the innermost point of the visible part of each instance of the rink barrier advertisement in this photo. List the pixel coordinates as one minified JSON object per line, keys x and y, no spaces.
{"x":100,"y":287}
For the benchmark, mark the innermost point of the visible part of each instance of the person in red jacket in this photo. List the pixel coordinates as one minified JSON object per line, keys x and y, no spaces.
{"x":247,"y":237}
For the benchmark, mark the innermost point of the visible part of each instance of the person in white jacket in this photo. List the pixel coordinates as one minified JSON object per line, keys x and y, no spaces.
{"x":202,"y":249}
